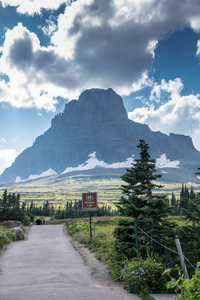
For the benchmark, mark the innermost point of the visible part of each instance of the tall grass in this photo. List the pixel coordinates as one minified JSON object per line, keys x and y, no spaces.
{"x":102,"y":231}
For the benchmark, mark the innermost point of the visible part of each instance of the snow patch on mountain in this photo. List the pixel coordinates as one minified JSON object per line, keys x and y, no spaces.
{"x":164,"y":162}
{"x":49,"y":172}
{"x":93,"y":162}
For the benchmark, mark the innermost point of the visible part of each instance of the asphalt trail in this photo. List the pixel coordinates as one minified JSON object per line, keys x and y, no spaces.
{"x":47,"y":267}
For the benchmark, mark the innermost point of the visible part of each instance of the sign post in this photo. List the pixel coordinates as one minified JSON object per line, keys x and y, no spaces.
{"x":89,"y":203}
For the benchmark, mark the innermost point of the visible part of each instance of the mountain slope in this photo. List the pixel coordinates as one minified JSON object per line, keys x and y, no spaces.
{"x":98,"y":122}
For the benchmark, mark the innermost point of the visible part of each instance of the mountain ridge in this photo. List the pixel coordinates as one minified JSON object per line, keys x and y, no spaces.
{"x":98,"y":122}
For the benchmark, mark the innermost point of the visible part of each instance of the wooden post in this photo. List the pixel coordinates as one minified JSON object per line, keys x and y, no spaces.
{"x":90,"y":226}
{"x":185,"y":272}
{"x":136,"y":240}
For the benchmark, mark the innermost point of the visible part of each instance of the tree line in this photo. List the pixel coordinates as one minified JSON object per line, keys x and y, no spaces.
{"x":10,"y":207}
{"x":74,"y":210}
{"x":188,"y":201}
{"x":71,"y":210}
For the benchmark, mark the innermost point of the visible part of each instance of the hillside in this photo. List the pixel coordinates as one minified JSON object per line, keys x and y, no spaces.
{"x":58,"y":189}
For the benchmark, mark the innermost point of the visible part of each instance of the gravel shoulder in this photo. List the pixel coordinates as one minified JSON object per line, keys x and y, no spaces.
{"x":100,"y":272}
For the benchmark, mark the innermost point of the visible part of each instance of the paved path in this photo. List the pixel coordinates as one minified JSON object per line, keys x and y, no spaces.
{"x":47,"y":267}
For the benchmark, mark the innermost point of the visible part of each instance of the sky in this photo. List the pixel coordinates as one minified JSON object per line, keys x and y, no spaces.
{"x":148,"y":51}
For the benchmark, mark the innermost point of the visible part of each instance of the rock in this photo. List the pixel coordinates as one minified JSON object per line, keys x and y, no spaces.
{"x":19,"y":232}
{"x":11,"y":224}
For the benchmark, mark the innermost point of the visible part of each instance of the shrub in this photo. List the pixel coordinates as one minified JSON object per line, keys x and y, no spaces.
{"x":26,"y":221}
{"x":7,"y":237}
{"x":187,"y":288}
{"x":77,"y":227}
{"x":143,"y":277}
{"x":80,"y":232}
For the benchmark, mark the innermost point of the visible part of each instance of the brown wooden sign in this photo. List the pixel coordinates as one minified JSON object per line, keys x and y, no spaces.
{"x":89,"y":201}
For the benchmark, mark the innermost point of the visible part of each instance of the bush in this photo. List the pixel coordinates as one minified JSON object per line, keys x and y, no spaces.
{"x":7,"y":237}
{"x":80,"y":232}
{"x":143,"y":277}
{"x":26,"y":221}
{"x":77,"y":227}
{"x":187,"y":288}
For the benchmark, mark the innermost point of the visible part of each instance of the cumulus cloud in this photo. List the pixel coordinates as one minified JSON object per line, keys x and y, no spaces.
{"x":198,"y":48}
{"x":181,"y":114}
{"x":165,"y":90}
{"x":37,"y":76}
{"x":7,"y":157}
{"x":50,"y":28}
{"x":97,"y":43}
{"x":33,"y":6}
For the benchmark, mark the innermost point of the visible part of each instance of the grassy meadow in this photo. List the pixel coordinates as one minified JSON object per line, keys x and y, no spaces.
{"x":68,"y":189}
{"x":59,"y":190}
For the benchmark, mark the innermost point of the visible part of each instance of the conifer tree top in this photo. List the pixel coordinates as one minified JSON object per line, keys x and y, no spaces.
{"x":139,"y":178}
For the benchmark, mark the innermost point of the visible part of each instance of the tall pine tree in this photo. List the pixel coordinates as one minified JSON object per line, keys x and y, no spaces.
{"x":138,"y":202}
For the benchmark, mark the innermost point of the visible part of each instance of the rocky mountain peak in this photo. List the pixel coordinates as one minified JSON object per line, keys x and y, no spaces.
{"x":98,"y":123}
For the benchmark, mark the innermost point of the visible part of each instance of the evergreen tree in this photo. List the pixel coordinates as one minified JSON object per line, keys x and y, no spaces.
{"x":173,"y":200}
{"x":138,"y":190}
{"x":139,"y":203}
{"x":184,"y":192}
{"x":139,"y":178}
{"x":184,"y":198}
{"x":5,"y":199}
{"x":13,"y":200}
{"x":192,"y":212}
{"x":192,"y":193}
{"x":46,"y":208}
{"x":174,"y":205}
{"x":31,"y":206}
{"x":18,"y":201}
{"x":10,"y":207}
